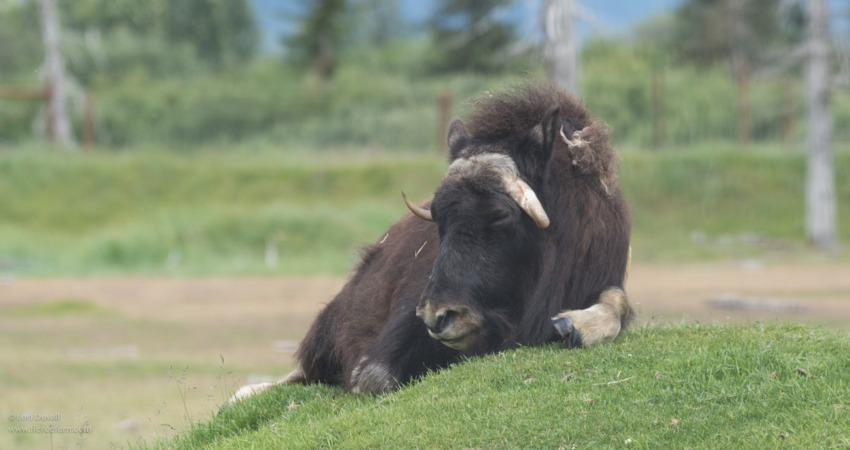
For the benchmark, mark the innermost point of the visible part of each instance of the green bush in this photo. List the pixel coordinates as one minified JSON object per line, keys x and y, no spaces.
{"x":221,"y":211}
{"x":373,"y":104}
{"x":699,"y":104}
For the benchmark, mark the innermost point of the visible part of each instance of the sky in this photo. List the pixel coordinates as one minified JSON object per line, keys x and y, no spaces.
{"x":614,"y":15}
{"x":611,"y":17}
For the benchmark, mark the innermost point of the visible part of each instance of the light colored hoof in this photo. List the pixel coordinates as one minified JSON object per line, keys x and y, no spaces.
{"x":249,"y":390}
{"x":599,"y":324}
{"x":564,"y":326}
{"x":296,"y":376}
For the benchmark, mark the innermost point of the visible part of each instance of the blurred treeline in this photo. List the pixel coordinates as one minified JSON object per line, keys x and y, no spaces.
{"x":352,"y":73}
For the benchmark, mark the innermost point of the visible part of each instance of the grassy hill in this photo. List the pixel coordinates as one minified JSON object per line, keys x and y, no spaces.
{"x":244,"y":211}
{"x":763,"y":385}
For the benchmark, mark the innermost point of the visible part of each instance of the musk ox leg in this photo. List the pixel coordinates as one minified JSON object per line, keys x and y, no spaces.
{"x":379,"y":370}
{"x":599,"y":324}
{"x":370,"y":377}
{"x":402,"y":351}
{"x":296,"y":376}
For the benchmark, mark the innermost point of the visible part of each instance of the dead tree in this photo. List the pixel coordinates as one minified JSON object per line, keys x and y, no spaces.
{"x":561,"y":50}
{"x":820,"y":183}
{"x":58,"y":123}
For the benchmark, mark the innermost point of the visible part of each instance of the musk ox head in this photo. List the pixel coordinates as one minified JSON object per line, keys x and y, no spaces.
{"x":490,"y":219}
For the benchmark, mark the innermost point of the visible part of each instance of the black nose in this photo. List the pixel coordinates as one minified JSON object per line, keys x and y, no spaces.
{"x":444,"y":318}
{"x":438,"y":320}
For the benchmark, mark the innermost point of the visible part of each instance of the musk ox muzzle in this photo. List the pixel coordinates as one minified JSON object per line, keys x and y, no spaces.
{"x":457,"y":327}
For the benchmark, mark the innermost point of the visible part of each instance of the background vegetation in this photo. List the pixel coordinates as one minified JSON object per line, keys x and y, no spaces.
{"x":247,"y":211}
{"x":206,"y":144}
{"x":192,"y":72}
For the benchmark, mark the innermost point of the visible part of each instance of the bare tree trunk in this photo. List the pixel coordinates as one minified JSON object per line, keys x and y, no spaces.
{"x":741,"y":34}
{"x":560,"y":51}
{"x":58,"y":123}
{"x":820,"y":184}
{"x":444,"y":116}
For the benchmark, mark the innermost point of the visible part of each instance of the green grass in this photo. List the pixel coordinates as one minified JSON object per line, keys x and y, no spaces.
{"x":762,"y":385}
{"x":58,"y":308}
{"x":198,"y":214}
{"x":258,"y":211}
{"x":722,"y":202}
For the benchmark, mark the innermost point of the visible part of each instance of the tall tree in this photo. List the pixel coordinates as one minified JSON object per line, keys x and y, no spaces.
{"x":378,"y":21}
{"x":21,"y":48}
{"x":469,"y":35}
{"x":223,"y":32}
{"x":820,"y":184}
{"x":58,"y":121}
{"x":738,"y":31}
{"x":320,"y":31}
{"x":560,"y":51}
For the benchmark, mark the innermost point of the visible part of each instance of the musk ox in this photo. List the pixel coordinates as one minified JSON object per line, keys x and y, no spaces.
{"x":525,"y":242}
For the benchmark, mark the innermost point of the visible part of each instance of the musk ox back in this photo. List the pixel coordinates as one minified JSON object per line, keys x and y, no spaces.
{"x":525,"y":242}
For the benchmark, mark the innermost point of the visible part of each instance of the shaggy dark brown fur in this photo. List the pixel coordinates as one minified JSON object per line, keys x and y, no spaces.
{"x":495,"y":269}
{"x":521,"y":107}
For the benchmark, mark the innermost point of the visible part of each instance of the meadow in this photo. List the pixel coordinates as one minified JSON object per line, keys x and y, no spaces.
{"x":264,"y":212}
{"x":140,"y":287}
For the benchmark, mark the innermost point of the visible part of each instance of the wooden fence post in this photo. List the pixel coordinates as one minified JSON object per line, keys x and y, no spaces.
{"x":444,"y":111}
{"x":744,"y":105}
{"x":788,"y":107}
{"x":50,"y":126}
{"x":659,"y":113}
{"x":88,"y":120}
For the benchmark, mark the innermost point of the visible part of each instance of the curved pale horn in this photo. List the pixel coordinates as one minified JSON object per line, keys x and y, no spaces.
{"x":417,"y":211}
{"x":525,"y":197}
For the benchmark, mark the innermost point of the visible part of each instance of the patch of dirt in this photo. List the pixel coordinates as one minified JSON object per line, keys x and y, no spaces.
{"x":811,"y":293}
{"x":213,"y":300}
{"x":807,"y":293}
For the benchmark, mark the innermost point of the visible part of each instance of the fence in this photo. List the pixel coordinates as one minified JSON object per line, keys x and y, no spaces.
{"x":45,"y":94}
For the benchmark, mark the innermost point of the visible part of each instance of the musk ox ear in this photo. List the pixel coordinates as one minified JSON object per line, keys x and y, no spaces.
{"x":457,"y":138}
{"x":536,"y":156}
{"x":545,"y":132}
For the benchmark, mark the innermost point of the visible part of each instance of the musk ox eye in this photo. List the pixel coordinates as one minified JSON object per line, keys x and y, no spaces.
{"x":498,"y":216}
